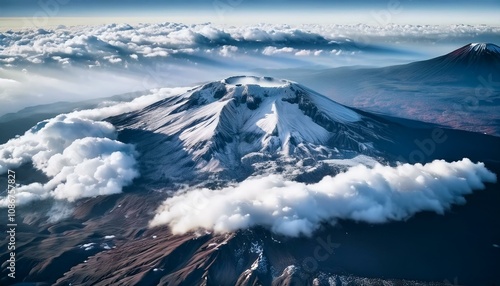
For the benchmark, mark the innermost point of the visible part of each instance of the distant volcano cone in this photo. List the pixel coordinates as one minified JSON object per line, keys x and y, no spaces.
{"x":474,"y":54}
{"x":465,"y":65}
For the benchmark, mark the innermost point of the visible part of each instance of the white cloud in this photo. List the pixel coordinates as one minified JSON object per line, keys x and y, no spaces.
{"x":90,"y":43}
{"x":227,"y":50}
{"x":90,"y":167}
{"x":48,"y":138}
{"x":113,"y":60}
{"x":303,"y":53}
{"x":80,"y":156}
{"x":124,"y":107}
{"x":78,"y":152}
{"x":373,"y":195}
{"x":269,"y":51}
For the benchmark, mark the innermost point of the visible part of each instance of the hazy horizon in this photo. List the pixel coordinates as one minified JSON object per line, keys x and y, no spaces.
{"x":26,"y":13}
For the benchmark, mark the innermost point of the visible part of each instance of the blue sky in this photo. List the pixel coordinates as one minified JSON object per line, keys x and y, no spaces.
{"x":378,"y":12}
{"x":26,"y":4}
{"x":112,"y":7}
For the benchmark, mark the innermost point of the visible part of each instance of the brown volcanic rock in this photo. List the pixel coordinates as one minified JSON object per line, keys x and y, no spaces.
{"x":157,"y":257}
{"x":160,"y":258}
{"x":133,"y":263}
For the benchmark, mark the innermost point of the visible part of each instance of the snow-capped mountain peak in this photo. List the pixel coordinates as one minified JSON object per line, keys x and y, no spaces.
{"x":463,"y":66}
{"x":484,"y":47}
{"x":244,"y":122}
{"x":476,"y":53}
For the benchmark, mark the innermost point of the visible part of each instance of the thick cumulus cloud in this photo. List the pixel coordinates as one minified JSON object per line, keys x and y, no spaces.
{"x":88,"y":167}
{"x":373,"y":195}
{"x":78,"y":153}
{"x":49,"y":138}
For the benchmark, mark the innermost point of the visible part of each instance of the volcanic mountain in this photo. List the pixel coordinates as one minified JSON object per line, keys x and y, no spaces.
{"x":243,"y":125}
{"x":462,"y":66}
{"x":474,"y":54}
{"x":226,"y":131}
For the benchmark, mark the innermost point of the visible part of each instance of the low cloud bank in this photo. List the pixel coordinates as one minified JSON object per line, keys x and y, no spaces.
{"x":374,"y":195}
{"x":80,"y":156}
{"x":78,"y":152}
{"x":40,"y":66}
{"x":123,"y":45}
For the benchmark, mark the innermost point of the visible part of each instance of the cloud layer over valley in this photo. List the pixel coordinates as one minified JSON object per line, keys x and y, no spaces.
{"x":78,"y":152}
{"x":47,"y":65}
{"x":373,"y":195}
